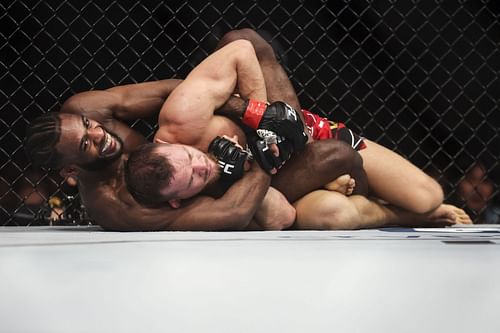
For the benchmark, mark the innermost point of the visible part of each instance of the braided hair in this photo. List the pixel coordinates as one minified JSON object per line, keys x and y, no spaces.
{"x":41,"y":139}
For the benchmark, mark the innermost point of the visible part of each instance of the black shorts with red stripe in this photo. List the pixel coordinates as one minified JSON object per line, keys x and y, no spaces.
{"x":322,"y":128}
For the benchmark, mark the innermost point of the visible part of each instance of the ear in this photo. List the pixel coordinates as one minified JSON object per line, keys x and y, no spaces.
{"x":174,"y":203}
{"x":69,"y":171}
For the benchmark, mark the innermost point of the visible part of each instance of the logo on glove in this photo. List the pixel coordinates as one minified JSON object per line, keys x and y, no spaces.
{"x":225,"y":167}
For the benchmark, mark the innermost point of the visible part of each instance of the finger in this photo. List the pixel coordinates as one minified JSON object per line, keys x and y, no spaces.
{"x":233,"y":139}
{"x":273,"y":171}
{"x":275,"y":150}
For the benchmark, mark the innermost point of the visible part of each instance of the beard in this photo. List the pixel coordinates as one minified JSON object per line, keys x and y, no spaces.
{"x":101,"y":163}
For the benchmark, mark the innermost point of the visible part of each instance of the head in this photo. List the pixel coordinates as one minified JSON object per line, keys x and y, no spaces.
{"x":476,"y":188}
{"x":69,"y":142}
{"x":159,"y":173}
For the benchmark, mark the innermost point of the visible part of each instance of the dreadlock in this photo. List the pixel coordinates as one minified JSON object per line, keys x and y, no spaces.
{"x":41,"y":139}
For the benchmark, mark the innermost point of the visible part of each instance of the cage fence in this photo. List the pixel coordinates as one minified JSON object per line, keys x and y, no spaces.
{"x":419,"y":77}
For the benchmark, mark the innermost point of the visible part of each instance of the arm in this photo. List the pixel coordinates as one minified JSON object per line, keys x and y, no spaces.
{"x":278,"y":86}
{"x":233,"y":211}
{"x":318,"y":164}
{"x":189,"y":110}
{"x":127,"y":102}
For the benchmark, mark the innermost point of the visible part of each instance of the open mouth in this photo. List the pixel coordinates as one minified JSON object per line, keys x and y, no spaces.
{"x":109,"y":145}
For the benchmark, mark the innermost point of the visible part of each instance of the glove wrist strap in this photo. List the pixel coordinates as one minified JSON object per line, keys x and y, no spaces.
{"x":253,"y":113}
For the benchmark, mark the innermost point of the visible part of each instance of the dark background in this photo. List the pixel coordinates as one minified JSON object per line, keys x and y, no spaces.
{"x":421,"y":78}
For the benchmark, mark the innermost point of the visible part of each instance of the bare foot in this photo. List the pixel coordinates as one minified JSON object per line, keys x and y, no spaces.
{"x":461,"y":216}
{"x":343,"y":184}
{"x":448,"y":215}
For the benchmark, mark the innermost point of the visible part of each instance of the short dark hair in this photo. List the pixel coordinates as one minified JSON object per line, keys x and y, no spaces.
{"x":147,"y":173}
{"x":41,"y":139}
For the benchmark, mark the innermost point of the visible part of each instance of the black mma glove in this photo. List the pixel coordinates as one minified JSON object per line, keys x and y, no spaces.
{"x":263,"y":154}
{"x":230,"y":158}
{"x":273,"y":120}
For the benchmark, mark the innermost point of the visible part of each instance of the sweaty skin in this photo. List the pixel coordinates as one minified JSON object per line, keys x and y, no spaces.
{"x":389,"y":175}
{"x":104,"y":193}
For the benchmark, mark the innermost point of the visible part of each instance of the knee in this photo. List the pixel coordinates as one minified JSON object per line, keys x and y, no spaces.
{"x":324,"y":210}
{"x":342,"y":218}
{"x":429,"y":196}
{"x":263,"y":49}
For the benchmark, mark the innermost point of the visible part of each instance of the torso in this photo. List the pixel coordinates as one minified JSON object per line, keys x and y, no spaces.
{"x":104,"y":193}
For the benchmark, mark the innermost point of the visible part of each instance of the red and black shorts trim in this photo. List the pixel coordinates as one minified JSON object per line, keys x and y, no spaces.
{"x":322,"y":128}
{"x":341,"y":132}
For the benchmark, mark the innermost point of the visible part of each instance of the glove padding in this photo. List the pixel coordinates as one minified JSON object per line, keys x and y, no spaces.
{"x":277,"y":117}
{"x":262,"y":153}
{"x":230,"y":158}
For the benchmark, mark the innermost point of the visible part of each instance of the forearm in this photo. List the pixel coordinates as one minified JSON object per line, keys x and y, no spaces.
{"x":318,"y":164}
{"x":142,"y":100}
{"x":234,"y":108}
{"x":245,"y":197}
{"x":234,"y":210}
{"x":278,"y":86}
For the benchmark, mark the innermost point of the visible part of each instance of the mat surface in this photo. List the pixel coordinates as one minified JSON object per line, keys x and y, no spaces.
{"x":67,"y":279}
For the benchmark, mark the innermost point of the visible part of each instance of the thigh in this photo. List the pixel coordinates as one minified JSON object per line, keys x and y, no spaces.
{"x":397,"y":181}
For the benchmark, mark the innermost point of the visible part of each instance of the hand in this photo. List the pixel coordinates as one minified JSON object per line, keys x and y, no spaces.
{"x":276,"y":119}
{"x":262,"y":153}
{"x":230,"y":157}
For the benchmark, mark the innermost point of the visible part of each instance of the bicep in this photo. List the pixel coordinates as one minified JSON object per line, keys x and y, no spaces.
{"x":97,"y":104}
{"x":207,"y":87}
{"x":187,"y":112}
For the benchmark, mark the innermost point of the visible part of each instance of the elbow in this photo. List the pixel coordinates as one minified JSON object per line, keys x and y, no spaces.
{"x":243,"y":47}
{"x":263,"y":49}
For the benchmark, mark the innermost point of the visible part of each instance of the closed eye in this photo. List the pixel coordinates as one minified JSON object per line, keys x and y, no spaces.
{"x":190,"y":161}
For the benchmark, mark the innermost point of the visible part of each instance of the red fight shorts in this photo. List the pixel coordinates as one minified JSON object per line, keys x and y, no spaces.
{"x":322,"y":128}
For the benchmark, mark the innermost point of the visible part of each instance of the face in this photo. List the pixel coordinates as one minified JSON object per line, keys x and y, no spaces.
{"x":476,"y":189}
{"x":87,"y":143}
{"x":193,"y":170}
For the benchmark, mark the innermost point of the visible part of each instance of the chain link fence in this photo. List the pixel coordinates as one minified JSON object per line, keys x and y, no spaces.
{"x":420,"y":77}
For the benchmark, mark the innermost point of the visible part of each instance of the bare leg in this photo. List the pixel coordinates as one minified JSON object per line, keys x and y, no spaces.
{"x":330,"y":210}
{"x":395,"y":180}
